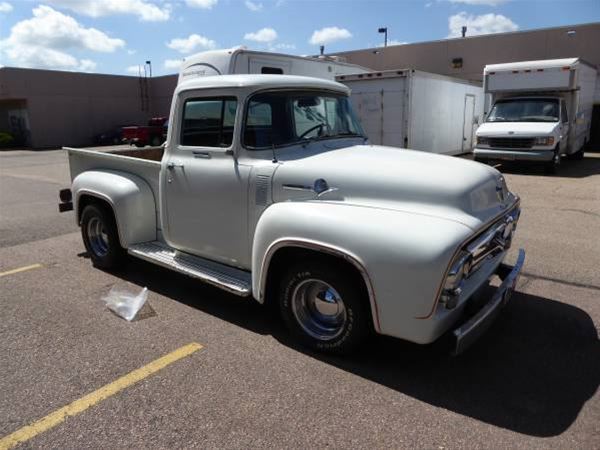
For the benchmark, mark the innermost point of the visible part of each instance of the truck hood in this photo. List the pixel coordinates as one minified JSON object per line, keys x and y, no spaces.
{"x":404,"y":180}
{"x":502,"y":129}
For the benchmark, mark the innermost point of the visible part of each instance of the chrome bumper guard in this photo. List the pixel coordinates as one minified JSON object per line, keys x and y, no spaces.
{"x":471,"y":330}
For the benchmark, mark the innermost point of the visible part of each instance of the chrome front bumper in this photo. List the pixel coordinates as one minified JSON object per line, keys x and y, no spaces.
{"x":512,"y":155}
{"x":471,"y":330}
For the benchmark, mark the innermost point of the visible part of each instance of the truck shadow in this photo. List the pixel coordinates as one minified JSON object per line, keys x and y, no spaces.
{"x":588,"y":166}
{"x":531,"y":373}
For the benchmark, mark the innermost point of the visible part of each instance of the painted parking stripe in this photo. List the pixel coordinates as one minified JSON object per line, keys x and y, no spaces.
{"x":93,"y":398}
{"x":20,"y":269}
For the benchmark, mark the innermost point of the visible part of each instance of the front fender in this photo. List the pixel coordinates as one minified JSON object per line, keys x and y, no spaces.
{"x":129,"y":196}
{"x":403,"y":255}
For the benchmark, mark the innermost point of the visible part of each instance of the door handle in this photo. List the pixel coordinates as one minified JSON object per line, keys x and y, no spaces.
{"x":204,"y":155}
{"x":172,"y":165}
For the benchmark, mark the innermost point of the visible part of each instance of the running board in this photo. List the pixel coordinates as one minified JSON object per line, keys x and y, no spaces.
{"x":225,"y":277}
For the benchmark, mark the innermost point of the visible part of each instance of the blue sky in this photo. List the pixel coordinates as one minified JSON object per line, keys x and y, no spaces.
{"x":114,"y":36}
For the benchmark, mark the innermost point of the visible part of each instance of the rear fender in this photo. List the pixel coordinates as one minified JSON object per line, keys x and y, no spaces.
{"x":130,"y":198}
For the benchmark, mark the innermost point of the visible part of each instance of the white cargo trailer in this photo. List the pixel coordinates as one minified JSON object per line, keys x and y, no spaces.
{"x":417,"y":110}
{"x":539,"y":111}
{"x":240,"y":60}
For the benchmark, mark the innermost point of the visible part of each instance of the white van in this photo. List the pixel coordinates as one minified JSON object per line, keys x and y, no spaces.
{"x":541,"y":110}
{"x":240,"y":60}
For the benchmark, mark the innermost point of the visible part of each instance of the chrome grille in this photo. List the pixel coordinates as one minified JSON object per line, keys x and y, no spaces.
{"x":511,"y":142}
{"x":494,"y":240}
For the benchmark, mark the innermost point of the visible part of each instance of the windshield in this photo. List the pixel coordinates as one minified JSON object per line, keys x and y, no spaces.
{"x":524,"y":110}
{"x":291,"y":117}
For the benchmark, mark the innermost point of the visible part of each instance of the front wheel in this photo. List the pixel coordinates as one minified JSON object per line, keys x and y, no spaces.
{"x":552,"y":166}
{"x":100,"y":237}
{"x":323,"y":307}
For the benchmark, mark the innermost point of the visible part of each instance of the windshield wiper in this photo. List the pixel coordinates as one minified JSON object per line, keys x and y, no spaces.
{"x":349,"y":133}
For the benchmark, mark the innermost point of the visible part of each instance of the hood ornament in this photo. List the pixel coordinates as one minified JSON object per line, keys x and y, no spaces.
{"x":321,"y":187}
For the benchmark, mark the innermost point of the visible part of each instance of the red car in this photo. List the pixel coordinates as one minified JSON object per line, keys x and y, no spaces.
{"x":151,"y":134}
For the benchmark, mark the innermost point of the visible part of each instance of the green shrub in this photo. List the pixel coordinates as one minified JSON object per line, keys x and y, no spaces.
{"x":6,"y":139}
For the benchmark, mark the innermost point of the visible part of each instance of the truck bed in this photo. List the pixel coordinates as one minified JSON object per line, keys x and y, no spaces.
{"x":143,"y":162}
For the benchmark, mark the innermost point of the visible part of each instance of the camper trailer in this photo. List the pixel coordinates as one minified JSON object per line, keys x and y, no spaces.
{"x":243,"y":61}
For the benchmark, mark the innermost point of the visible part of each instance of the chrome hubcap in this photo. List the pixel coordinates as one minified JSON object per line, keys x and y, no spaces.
{"x":319,"y":309}
{"x":97,"y":237}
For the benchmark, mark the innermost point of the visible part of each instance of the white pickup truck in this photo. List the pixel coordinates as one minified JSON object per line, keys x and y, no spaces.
{"x":267,"y":188}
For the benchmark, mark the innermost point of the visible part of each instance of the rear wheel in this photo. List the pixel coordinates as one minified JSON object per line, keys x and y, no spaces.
{"x":156,"y":141}
{"x":100,"y":237}
{"x":323,"y":307}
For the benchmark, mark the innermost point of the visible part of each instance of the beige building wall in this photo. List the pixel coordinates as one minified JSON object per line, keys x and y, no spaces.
{"x":69,"y":108}
{"x":477,"y":51}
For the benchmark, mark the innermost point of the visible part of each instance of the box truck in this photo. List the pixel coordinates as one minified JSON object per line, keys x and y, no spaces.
{"x":417,"y":110}
{"x":240,"y":60}
{"x":540,"y":111}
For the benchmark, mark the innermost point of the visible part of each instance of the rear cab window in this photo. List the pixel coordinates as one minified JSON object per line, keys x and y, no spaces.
{"x":208,"y":122}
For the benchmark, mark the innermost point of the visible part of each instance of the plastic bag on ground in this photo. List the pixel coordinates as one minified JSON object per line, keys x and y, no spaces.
{"x":124,"y":303}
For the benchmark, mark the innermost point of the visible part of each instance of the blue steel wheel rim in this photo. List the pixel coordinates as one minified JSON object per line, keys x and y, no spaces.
{"x":97,"y":237}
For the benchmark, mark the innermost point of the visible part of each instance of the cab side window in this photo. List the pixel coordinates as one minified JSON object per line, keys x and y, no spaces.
{"x":208,"y":122}
{"x":563,"y":112}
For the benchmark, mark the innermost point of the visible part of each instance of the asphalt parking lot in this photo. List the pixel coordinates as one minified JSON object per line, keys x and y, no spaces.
{"x":531,"y":381}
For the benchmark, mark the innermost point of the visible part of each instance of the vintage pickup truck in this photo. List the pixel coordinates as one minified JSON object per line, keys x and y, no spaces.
{"x":267,"y":188}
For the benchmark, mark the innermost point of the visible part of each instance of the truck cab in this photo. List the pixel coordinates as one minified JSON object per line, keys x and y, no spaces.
{"x":525,"y":128}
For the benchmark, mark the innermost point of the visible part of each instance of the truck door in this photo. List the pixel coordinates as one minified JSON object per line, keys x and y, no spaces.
{"x":469,"y":117}
{"x":204,"y":189}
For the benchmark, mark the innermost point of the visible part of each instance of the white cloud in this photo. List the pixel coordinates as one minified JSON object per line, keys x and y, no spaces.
{"x":282,"y":46}
{"x":328,"y":35}
{"x":480,"y":2}
{"x":483,"y":24}
{"x":87,"y":65}
{"x":145,"y":10}
{"x":253,"y":6}
{"x":131,"y":51}
{"x":5,"y":7}
{"x":392,"y":42}
{"x":171,"y":64}
{"x":191,"y":43}
{"x":43,"y":41}
{"x":202,"y":4}
{"x":262,"y":35}
{"x":135,"y":70}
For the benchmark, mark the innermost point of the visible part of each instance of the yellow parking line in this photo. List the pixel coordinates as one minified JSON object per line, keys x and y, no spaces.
{"x":91,"y":399}
{"x":20,"y":269}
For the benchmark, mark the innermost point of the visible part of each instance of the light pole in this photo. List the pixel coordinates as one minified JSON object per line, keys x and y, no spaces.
{"x":384,"y":31}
